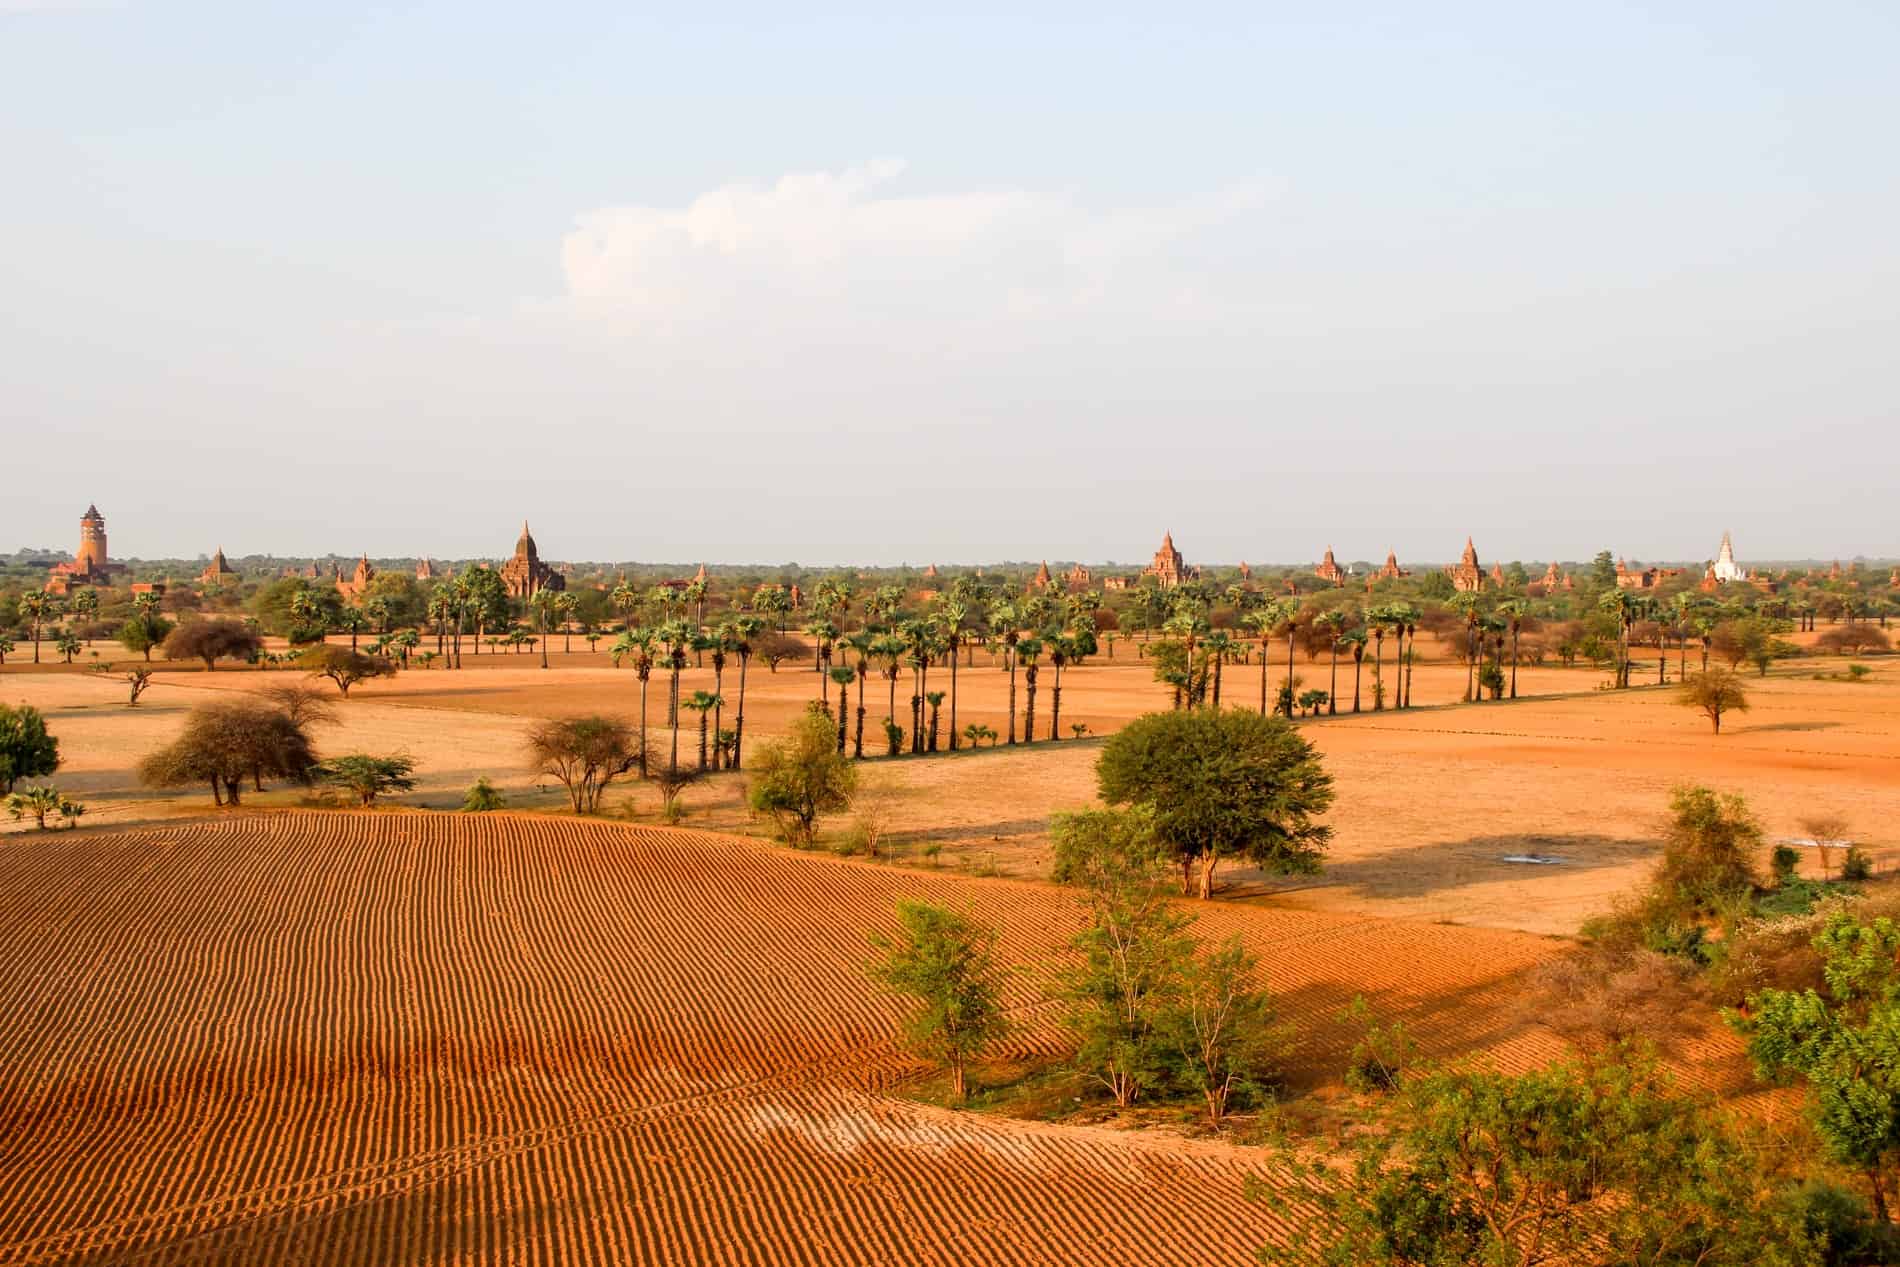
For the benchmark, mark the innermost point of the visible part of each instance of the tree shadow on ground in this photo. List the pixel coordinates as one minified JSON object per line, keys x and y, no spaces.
{"x":1769,"y":727}
{"x":1419,"y":870}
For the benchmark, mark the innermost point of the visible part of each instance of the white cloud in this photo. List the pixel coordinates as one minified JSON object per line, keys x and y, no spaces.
{"x":830,"y":249}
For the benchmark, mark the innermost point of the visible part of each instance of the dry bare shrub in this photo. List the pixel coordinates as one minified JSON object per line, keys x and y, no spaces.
{"x":1770,"y":954}
{"x":1829,"y":832}
{"x":1853,"y":639}
{"x":872,"y":808}
{"x":303,"y":703}
{"x":1597,"y":997}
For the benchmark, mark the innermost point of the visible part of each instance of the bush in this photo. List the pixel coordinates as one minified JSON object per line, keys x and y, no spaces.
{"x":1708,"y":851}
{"x":1857,"y":866}
{"x":27,"y":750}
{"x":40,"y":803}
{"x":1783,"y":863}
{"x":483,"y":797}
{"x":1380,"y":1055}
{"x":799,"y":777}
{"x":213,"y":640}
{"x":366,"y":777}
{"x":945,"y":963}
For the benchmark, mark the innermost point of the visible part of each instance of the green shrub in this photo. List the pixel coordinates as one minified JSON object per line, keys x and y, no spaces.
{"x":1857,"y":865}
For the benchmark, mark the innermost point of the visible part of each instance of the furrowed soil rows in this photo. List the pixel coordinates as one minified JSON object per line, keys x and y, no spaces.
{"x":412,"y":1038}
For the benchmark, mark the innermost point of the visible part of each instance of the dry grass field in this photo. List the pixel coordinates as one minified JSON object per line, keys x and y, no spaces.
{"x":401,"y":1038}
{"x":1430,"y":800}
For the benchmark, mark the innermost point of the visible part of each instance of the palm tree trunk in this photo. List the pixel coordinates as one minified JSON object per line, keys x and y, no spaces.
{"x":1289,"y":670}
{"x":857,"y":747}
{"x":1264,"y":670}
{"x":676,"y":724}
{"x":1055,"y":701}
{"x":953,"y":698}
{"x":1332,"y":691}
{"x":1378,"y":671}
{"x":1513,"y":661}
{"x":1358,"y":662}
{"x":738,"y":721}
{"x":1010,"y":654}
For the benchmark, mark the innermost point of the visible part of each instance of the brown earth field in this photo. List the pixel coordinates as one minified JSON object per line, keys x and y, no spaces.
{"x":302,"y":1037}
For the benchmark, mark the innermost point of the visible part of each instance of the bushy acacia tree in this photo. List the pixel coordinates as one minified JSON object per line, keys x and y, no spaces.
{"x":27,"y":749}
{"x":944,"y":962}
{"x":1222,"y":785}
{"x":228,"y":741}
{"x":585,"y":754}
{"x":213,"y":640}
{"x":343,"y":666}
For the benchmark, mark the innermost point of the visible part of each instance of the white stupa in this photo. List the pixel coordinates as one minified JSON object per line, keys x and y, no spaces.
{"x":1726,"y":568}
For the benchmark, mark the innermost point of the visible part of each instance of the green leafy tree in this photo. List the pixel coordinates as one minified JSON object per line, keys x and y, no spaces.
{"x":367,"y":777}
{"x":1222,"y":1029}
{"x":143,"y":631}
{"x":1713,"y":693}
{"x":944,"y":962}
{"x":1844,"y":1042}
{"x":1599,"y":1164}
{"x":38,"y":608}
{"x":1222,"y":785}
{"x":1121,"y":993}
{"x":41,"y":803}
{"x":802,"y":776}
{"x":27,"y":750}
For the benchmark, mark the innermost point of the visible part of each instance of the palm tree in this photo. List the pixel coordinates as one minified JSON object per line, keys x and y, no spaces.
{"x":1003,"y":620}
{"x":1411,"y":649}
{"x":843,"y":675}
{"x":84,"y":606}
{"x":744,"y":630}
{"x":1218,"y":645}
{"x":1376,"y":622}
{"x":701,"y":702}
{"x":1061,"y":651}
{"x":1289,"y":609}
{"x":1512,"y":610}
{"x":1027,"y":652}
{"x":1262,"y":621}
{"x":626,"y":601}
{"x":1466,"y":605}
{"x":1356,"y":641}
{"x":38,"y":607}
{"x":640,"y":644}
{"x":352,"y":619}
{"x":823,"y":633}
{"x":1333,"y":621}
{"x":935,"y":700}
{"x":544,"y":605}
{"x":380,"y":611}
{"x":890,"y":649}
{"x":1622,"y":605}
{"x":863,"y":646}
{"x":567,"y":604}
{"x":952,"y":612}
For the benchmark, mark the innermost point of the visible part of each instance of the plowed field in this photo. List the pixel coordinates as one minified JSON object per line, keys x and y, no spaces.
{"x":409,"y":1038}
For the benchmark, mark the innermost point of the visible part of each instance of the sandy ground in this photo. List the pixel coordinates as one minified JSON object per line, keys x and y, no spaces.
{"x":1429,"y":801}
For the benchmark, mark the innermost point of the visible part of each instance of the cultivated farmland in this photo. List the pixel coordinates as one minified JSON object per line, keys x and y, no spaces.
{"x":409,"y":1038}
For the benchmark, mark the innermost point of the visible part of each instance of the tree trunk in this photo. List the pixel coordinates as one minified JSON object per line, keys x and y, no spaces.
{"x":1010,"y":653}
{"x":953,"y":698}
{"x":1332,"y":691}
{"x":1208,"y":864}
{"x":738,"y":720}
{"x":643,"y":725}
{"x":1513,"y":662}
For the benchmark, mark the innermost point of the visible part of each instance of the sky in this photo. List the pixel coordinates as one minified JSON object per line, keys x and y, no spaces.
{"x":860,"y":283}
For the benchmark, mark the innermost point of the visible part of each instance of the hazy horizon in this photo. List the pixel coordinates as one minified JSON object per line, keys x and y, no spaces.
{"x":843,"y":285}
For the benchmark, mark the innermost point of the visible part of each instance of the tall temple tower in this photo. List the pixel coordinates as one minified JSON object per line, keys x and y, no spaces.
{"x":92,"y":541}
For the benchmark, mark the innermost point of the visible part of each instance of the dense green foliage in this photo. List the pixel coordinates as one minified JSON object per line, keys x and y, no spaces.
{"x":27,"y":749}
{"x":944,"y":963}
{"x":802,"y":776}
{"x":1222,"y":784}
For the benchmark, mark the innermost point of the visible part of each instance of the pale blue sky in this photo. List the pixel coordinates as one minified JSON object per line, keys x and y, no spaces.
{"x":785,"y":281}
